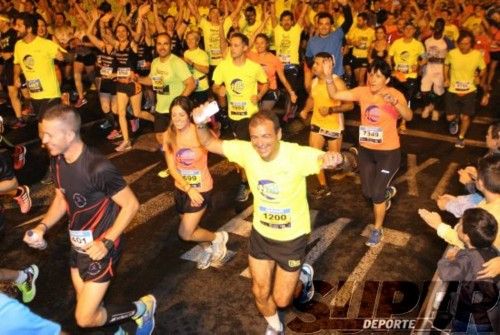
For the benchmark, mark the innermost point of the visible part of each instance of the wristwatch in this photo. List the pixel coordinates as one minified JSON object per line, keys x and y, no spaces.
{"x":108,"y":244}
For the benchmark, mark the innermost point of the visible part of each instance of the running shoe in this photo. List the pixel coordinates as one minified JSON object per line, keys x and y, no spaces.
{"x":124,"y":146}
{"x":20,"y":123}
{"x":114,"y":135}
{"x":80,"y":102}
{"x":306,"y":277}
{"x":435,"y":115}
{"x":134,"y":125}
{"x":453,"y":127}
{"x":146,"y":322}
{"x":271,"y":331}
{"x":243,"y":193}
{"x":28,"y":287}
{"x":205,"y":260}
{"x":23,"y":198}
{"x":375,"y":237}
{"x":460,"y":143}
{"x":163,"y":173}
{"x":219,"y":248}
{"x":105,"y":125}
{"x":426,"y":112}
{"x":321,"y":192}
{"x":19,"y":157}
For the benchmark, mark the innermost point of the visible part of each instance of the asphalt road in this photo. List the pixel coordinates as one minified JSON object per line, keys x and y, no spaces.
{"x":219,"y":300}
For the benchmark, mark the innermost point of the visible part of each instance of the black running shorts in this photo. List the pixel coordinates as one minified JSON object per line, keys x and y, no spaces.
{"x":183,"y":202}
{"x":95,"y":271}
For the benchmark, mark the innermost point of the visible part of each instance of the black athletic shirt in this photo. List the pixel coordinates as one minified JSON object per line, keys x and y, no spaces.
{"x":125,"y":59}
{"x":8,"y":40}
{"x":88,"y":185}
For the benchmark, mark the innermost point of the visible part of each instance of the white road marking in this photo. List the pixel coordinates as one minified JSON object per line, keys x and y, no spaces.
{"x":357,"y":276}
{"x":428,"y":135}
{"x":413,"y":172}
{"x":444,"y":181}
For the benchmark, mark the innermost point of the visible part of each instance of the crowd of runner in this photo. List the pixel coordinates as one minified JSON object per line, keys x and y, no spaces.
{"x":263,"y":64}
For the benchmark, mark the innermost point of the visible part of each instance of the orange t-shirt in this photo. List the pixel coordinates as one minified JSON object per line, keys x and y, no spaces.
{"x":270,"y":63}
{"x":378,"y":129}
{"x":192,"y":165}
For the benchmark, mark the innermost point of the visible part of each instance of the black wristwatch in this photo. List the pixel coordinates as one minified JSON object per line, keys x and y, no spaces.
{"x":108,"y":244}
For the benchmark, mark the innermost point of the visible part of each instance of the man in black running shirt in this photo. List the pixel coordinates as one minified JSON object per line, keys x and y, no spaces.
{"x":99,"y":206}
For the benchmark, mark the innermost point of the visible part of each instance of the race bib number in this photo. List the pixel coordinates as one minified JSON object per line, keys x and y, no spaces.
{"x":405,"y":68}
{"x":106,"y":71}
{"x":192,"y":177}
{"x":371,"y":134}
{"x":158,"y":86}
{"x":80,"y":238}
{"x":462,"y":86}
{"x":285,"y":59}
{"x":328,"y":133}
{"x":215,"y":53}
{"x":363,"y":45}
{"x":35,"y":86}
{"x":276,"y":218}
{"x":123,"y":72}
{"x":238,"y":108}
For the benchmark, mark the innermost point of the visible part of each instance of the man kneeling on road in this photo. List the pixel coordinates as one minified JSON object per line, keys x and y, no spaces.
{"x":99,"y":206}
{"x":276,"y":173}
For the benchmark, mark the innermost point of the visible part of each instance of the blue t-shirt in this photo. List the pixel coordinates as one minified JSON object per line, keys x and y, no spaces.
{"x":18,"y":319}
{"x":332,"y":44}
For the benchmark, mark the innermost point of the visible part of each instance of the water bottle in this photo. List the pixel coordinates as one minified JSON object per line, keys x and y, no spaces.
{"x":34,"y":237}
{"x":207,"y":112}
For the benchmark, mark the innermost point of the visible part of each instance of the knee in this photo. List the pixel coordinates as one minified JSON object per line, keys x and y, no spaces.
{"x":185,"y":235}
{"x":281,"y":301}
{"x":260,"y":293}
{"x":84,"y":319}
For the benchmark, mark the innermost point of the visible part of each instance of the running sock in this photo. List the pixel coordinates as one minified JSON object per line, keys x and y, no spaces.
{"x":274,"y":321}
{"x":21,"y":277}
{"x":218,"y":238}
{"x":121,"y":312}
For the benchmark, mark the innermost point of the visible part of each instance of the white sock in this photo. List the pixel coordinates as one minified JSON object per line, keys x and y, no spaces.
{"x":218,"y":237}
{"x":274,"y":321}
{"x":21,"y":277}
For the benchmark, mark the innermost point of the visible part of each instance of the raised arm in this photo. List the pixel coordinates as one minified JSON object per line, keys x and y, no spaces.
{"x":158,"y":25}
{"x":207,"y":138}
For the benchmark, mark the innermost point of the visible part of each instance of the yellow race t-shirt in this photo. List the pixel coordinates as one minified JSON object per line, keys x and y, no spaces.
{"x":37,"y":63}
{"x":472,"y":22}
{"x":363,"y":36}
{"x":406,"y":56}
{"x":451,"y":31}
{"x":287,"y":44}
{"x":199,"y":57}
{"x":463,"y":70}
{"x":281,"y":211}
{"x":329,"y":124}
{"x":241,"y":85}
{"x":211,"y":38}
{"x":168,"y":79}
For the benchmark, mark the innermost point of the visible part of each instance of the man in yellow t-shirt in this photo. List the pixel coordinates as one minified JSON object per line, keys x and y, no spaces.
{"x":460,"y":69}
{"x":287,"y":42}
{"x":406,"y":53}
{"x":281,"y":221}
{"x":237,"y":77}
{"x":34,"y":56}
{"x":360,"y":37}
{"x":197,"y":60}
{"x":170,"y":77}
